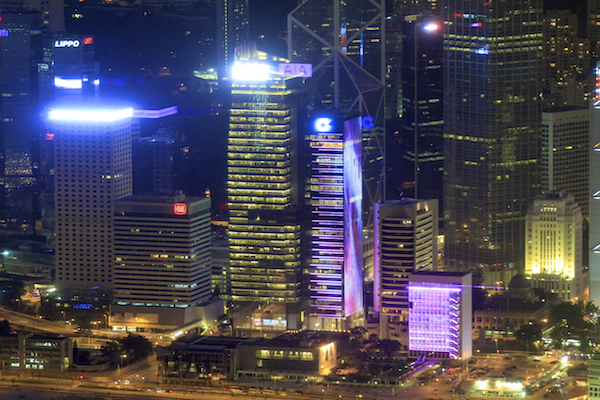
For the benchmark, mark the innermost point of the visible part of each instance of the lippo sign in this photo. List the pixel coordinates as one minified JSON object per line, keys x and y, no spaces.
{"x":293,"y":70}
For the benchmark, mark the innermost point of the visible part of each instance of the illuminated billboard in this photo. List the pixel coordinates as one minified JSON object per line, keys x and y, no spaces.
{"x":353,"y":282}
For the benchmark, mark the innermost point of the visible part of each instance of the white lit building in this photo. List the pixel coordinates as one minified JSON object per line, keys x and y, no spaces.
{"x":553,"y":252}
{"x":92,"y":169}
{"x":406,"y":233}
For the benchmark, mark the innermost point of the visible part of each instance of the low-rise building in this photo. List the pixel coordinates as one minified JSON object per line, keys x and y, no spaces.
{"x":26,"y":351}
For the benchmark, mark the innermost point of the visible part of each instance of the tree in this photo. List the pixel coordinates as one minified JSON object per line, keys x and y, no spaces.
{"x":136,"y":346}
{"x":5,"y":329}
{"x":528,"y":335}
{"x":112,"y":350}
{"x":10,"y":293}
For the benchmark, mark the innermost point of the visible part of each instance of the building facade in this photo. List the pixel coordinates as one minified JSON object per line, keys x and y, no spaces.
{"x":334,"y":201}
{"x":92,"y":145}
{"x":553,"y":255}
{"x":440,"y":320}
{"x":565,"y":152}
{"x":492,"y":128}
{"x":162,"y":251}
{"x":406,"y":233}
{"x":263,"y":187}
{"x":594,"y":230}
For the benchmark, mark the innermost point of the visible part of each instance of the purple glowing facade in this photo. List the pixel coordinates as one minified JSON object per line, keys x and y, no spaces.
{"x":335,"y":194}
{"x":434,"y":322}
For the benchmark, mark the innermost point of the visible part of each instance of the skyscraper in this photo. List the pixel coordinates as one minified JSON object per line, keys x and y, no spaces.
{"x":263,"y":187}
{"x":594,"y":243}
{"x":565,"y":152}
{"x":92,"y":148}
{"x":20,"y":47}
{"x":492,"y":144}
{"x":233,"y":29}
{"x":334,"y":201}
{"x":406,"y":233}
{"x":422,"y":123}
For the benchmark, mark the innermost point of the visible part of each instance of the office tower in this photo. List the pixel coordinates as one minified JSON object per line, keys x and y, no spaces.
{"x":20,"y":47}
{"x":233,"y":30}
{"x":594,"y":210}
{"x":422,"y":123}
{"x":440,"y":321}
{"x":334,"y":201}
{"x":492,"y":138}
{"x":553,"y":255}
{"x":594,"y":378}
{"x":406,"y":233}
{"x":153,"y":159}
{"x":162,"y":251}
{"x":344,"y":41}
{"x":263,"y":190}
{"x":565,"y":152}
{"x":566,"y":60}
{"x":92,"y":149}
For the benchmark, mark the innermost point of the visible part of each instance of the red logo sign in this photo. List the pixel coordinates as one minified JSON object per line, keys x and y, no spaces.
{"x":180,"y":209}
{"x":88,"y":40}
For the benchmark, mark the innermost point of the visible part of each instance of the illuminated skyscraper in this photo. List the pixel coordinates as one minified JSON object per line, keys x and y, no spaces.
{"x":553,"y":256}
{"x":92,"y":148}
{"x":262,"y":185}
{"x":344,"y":41}
{"x":334,"y":200}
{"x":492,"y":127}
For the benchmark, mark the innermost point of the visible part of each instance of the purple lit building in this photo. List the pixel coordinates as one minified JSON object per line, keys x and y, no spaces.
{"x":440,"y":315}
{"x":334,"y":195}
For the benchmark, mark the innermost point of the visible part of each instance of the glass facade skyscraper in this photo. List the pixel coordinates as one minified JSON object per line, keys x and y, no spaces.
{"x":262,"y":185}
{"x":492,"y":119}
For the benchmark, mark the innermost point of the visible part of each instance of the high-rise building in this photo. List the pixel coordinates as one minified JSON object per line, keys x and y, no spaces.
{"x":20,"y":48}
{"x":74,"y":67}
{"x":263,"y":188}
{"x":153,"y":164}
{"x":594,"y":210}
{"x":233,"y":30}
{"x":492,"y":130}
{"x":162,"y":247}
{"x":440,"y":321}
{"x":344,"y":41}
{"x":553,"y":255}
{"x":92,"y":149}
{"x":565,"y":152}
{"x":422,"y":123}
{"x":593,"y":27}
{"x":566,"y":60}
{"x":334,"y":201}
{"x":51,"y":12}
{"x":406,"y":233}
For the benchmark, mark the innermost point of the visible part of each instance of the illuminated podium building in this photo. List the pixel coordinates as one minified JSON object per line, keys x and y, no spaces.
{"x":440,"y":315}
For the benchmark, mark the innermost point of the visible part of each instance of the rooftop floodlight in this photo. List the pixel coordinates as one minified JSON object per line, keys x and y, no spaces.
{"x":67,"y":83}
{"x":90,"y":115}
{"x":250,"y":71}
{"x":430,"y":27}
